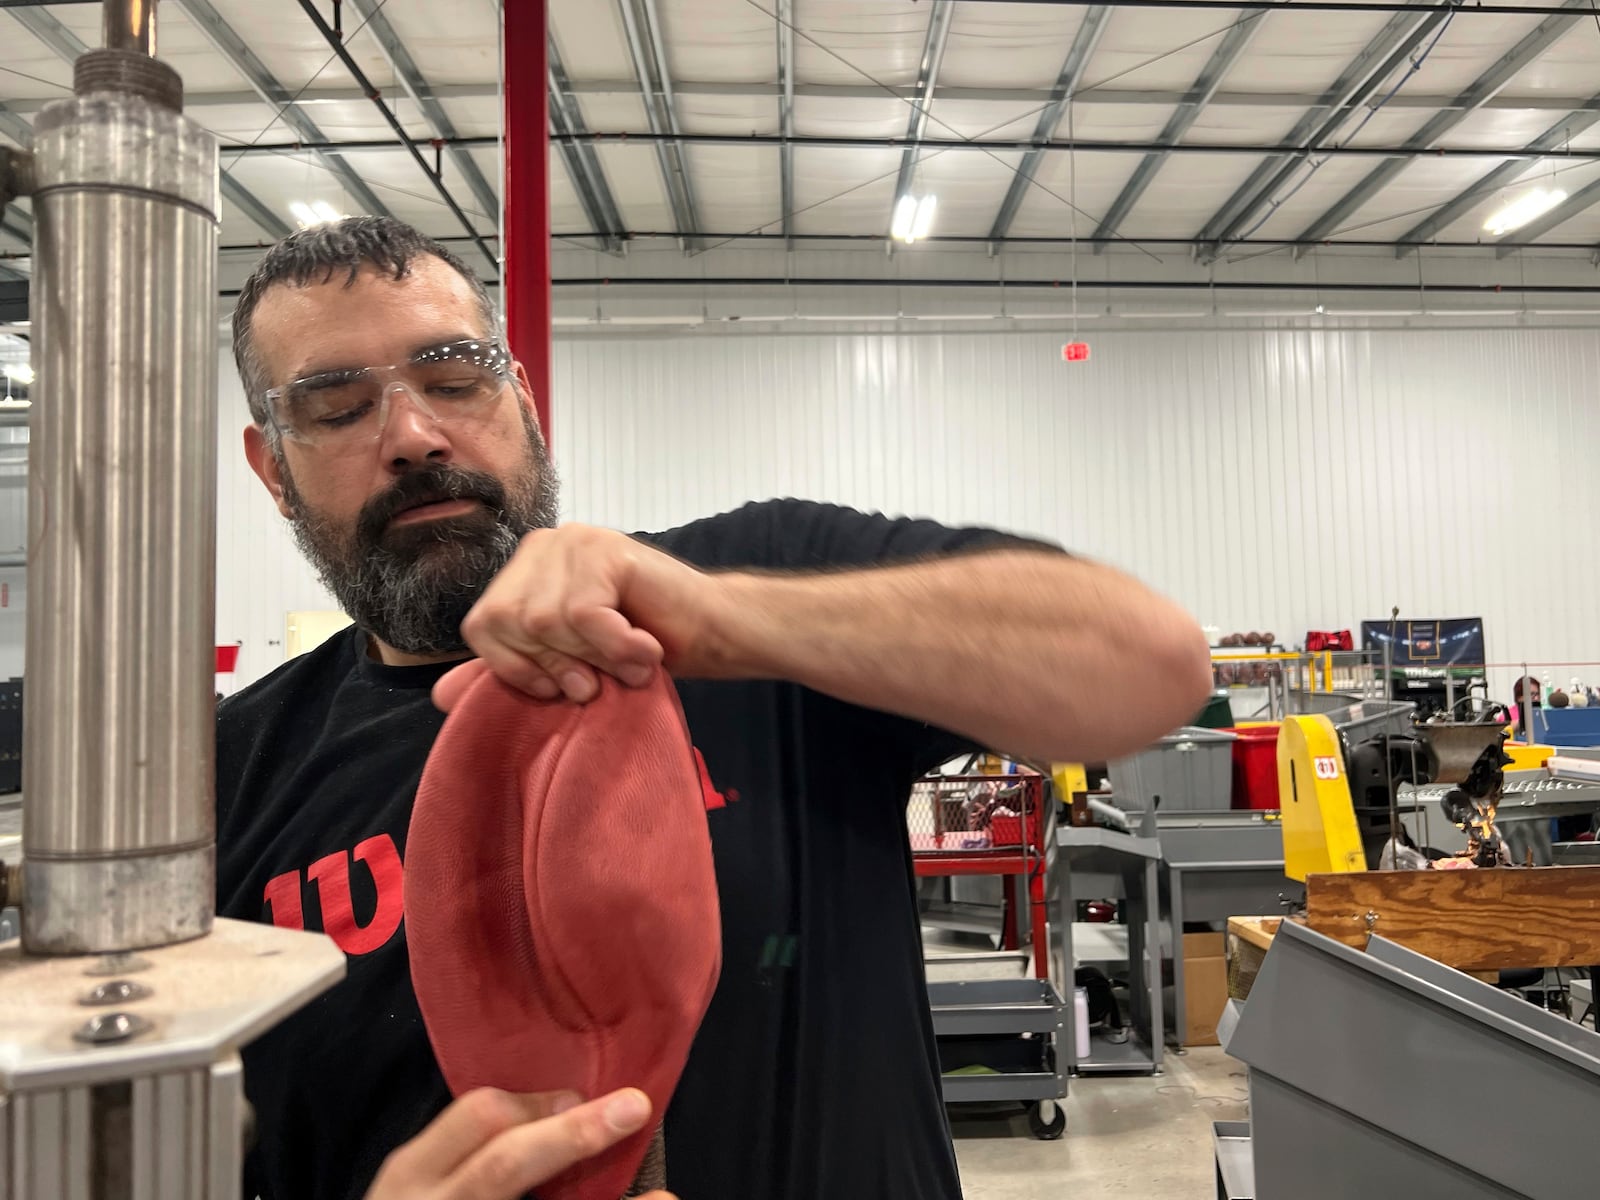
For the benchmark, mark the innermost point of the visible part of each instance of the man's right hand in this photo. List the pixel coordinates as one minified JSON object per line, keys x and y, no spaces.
{"x":492,"y":1145}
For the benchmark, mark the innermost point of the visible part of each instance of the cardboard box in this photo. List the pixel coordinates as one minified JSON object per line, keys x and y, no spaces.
{"x":1205,"y":987}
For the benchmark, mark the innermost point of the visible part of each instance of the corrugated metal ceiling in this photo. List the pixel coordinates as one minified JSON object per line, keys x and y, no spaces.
{"x":856,"y":69}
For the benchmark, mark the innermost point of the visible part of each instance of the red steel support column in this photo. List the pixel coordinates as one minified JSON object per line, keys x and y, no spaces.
{"x":525,"y":252}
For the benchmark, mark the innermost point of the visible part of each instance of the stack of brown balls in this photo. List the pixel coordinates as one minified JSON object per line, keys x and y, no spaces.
{"x":1247,"y":674}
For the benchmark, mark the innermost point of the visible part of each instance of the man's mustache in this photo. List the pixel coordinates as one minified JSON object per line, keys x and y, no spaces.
{"x":431,"y":485}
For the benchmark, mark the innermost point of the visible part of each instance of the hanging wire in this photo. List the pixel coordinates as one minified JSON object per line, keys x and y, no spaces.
{"x":1372,"y":110}
{"x":1072,"y":189}
{"x":924,"y":156}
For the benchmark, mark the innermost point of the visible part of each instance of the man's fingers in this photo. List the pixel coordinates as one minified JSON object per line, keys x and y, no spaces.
{"x":625,"y":651}
{"x":520,"y":671}
{"x":524,"y":1157}
{"x":471,"y":1122}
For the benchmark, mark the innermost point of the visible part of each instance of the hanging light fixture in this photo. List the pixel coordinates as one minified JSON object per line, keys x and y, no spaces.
{"x":913,"y":218}
{"x":1527,"y":207}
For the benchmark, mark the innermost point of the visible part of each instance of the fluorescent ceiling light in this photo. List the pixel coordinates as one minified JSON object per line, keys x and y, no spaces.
{"x":1524,"y":208}
{"x":913,"y":218}
{"x":21,"y":372}
{"x":318,"y":212}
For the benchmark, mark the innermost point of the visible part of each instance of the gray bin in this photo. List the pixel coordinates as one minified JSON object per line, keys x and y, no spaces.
{"x":1190,"y":770}
{"x":1372,"y":718}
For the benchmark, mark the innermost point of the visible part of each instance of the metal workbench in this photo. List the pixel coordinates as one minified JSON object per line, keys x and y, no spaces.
{"x":1215,"y":866}
{"x":1095,"y":863}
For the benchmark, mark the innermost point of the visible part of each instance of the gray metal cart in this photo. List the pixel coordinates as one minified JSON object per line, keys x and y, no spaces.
{"x":1028,"y":1018}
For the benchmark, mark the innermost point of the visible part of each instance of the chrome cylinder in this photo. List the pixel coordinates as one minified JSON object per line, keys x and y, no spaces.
{"x":119,"y":724}
{"x":131,"y":25}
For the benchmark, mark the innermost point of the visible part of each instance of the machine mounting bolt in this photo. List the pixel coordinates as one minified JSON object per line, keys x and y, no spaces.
{"x":109,"y":1028}
{"x":117,"y":991}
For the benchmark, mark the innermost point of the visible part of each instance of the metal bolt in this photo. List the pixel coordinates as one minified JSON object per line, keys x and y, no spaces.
{"x":1372,"y":920}
{"x":118,"y":991}
{"x":118,"y":964}
{"x":109,"y":1028}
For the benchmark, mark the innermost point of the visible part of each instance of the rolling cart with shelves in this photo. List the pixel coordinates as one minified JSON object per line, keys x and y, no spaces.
{"x":1014,"y":1028}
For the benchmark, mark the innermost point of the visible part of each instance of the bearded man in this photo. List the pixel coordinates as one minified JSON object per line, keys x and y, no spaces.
{"x":825,"y":659}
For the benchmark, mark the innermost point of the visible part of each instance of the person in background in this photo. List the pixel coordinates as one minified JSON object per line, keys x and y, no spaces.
{"x":825,"y":659}
{"x":1528,"y":687}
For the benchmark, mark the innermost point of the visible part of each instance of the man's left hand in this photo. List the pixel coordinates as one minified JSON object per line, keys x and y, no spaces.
{"x":577,"y":601}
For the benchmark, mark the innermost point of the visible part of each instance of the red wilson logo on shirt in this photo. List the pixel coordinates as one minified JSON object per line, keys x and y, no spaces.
{"x":284,"y":894}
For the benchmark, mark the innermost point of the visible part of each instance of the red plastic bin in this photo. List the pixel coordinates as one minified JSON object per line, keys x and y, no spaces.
{"x":1255,"y":767}
{"x":1007,"y":831}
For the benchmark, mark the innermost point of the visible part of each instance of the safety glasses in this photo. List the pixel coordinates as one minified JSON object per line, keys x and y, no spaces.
{"x":342,"y":408}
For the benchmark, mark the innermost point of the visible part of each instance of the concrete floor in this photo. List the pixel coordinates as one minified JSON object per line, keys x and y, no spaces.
{"x":1126,"y":1136}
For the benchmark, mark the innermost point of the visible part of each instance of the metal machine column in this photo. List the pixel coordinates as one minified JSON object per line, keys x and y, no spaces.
{"x":119,"y":1072}
{"x":118,"y":820}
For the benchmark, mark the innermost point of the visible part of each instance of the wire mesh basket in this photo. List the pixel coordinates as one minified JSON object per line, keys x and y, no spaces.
{"x":974,"y":813}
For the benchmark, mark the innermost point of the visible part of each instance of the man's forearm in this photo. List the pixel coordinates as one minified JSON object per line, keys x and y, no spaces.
{"x":1028,"y":652}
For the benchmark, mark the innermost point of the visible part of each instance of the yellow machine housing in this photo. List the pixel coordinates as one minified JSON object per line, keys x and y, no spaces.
{"x":1320,"y":835}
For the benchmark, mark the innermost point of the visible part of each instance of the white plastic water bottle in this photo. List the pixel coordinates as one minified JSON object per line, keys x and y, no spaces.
{"x":1080,"y":1012}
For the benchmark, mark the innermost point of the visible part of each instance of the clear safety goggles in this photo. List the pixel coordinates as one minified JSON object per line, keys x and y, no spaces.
{"x":341,"y":408}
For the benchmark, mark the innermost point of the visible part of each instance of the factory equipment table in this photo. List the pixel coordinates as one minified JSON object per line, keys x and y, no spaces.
{"x":1217,"y":865}
{"x":1097,"y":863}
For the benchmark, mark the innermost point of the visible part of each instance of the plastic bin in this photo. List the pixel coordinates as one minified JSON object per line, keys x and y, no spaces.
{"x":1255,"y":767}
{"x":1190,"y":770}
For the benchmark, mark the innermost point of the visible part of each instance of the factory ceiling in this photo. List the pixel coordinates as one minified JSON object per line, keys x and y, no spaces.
{"x":1213,"y":132}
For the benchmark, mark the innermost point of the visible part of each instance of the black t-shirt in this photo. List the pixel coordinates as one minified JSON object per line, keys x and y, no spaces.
{"x":814,"y":1074}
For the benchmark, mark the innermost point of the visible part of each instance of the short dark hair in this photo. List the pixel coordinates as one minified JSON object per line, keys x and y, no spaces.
{"x":320,"y":252}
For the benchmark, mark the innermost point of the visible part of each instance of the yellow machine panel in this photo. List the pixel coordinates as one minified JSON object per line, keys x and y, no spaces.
{"x":1319,"y":821}
{"x":1527,"y":758}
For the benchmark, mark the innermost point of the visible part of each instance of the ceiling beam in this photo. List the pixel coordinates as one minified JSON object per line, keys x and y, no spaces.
{"x":1071,"y":75}
{"x":14,"y":127}
{"x":1222,"y":60}
{"x":583,"y":165}
{"x":243,"y":59}
{"x":410,"y":77}
{"x":254,"y":207}
{"x":985,"y":146}
{"x":308,"y":97}
{"x":1536,"y":42}
{"x":938,"y":36}
{"x":1551,"y":141}
{"x":650,"y":65}
{"x":341,"y":50}
{"x":1367,"y":72}
{"x":69,"y":48}
{"x":786,"y":92}
{"x":1030,"y":98}
{"x":1302,"y":6}
{"x":1477,"y":248}
{"x":1581,"y":200}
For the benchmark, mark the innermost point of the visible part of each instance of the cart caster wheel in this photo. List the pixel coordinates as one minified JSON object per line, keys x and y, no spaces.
{"x":1047,"y":1130}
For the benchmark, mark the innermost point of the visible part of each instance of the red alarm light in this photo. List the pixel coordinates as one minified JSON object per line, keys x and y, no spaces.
{"x":1075,"y":352}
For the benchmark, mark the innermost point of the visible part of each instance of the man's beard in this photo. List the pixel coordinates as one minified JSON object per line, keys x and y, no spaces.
{"x":411,"y":586}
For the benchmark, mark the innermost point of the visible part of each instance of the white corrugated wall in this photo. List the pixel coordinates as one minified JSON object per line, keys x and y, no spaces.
{"x":1270,"y":480}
